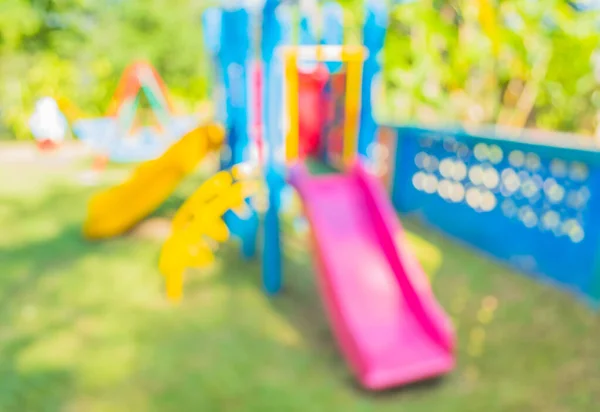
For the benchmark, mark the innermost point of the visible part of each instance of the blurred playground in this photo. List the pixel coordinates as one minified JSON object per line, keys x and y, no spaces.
{"x":353,"y":206}
{"x":86,"y":326}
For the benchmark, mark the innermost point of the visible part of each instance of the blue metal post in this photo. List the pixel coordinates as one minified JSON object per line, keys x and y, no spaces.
{"x":374,"y":32}
{"x":234,"y":58}
{"x":333,"y":29}
{"x":275,"y":29}
{"x":308,"y":33}
{"x":211,"y":25}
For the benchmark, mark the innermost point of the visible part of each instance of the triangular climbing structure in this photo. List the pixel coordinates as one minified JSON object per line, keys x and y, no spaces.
{"x":137,"y":75}
{"x":117,"y":135}
{"x":140,"y":77}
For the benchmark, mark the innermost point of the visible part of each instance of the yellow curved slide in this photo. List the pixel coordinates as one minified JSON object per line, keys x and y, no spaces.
{"x":120,"y":208}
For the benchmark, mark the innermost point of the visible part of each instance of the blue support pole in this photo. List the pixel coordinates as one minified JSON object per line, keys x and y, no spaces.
{"x":308,"y":33}
{"x":374,"y":31}
{"x":211,"y":25}
{"x":276,"y":31}
{"x":333,"y":30}
{"x":211,"y":30}
{"x":234,"y":58}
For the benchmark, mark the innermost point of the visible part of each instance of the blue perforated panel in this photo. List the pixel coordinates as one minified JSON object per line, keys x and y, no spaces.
{"x":527,"y":204}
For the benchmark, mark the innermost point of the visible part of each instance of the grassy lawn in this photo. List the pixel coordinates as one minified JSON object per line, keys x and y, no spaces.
{"x":85,"y":327}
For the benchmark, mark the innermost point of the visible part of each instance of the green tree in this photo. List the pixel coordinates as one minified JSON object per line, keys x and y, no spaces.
{"x":442,"y":65}
{"x":77,"y":49}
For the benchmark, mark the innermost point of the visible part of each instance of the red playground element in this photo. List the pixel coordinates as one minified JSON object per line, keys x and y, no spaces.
{"x":257,"y":113}
{"x":312,"y":113}
{"x":47,"y":145}
{"x":335,"y":116}
{"x":100,"y":163}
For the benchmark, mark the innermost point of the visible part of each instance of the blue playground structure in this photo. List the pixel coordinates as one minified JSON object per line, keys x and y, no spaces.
{"x":523,"y":198}
{"x":233,"y":58}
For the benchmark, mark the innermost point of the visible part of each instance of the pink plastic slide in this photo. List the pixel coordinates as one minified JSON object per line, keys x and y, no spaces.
{"x":384,"y":315}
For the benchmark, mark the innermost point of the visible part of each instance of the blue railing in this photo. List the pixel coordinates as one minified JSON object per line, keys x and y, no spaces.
{"x":525,"y":198}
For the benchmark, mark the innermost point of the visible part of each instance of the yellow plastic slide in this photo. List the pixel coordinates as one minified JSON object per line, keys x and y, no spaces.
{"x":120,"y":208}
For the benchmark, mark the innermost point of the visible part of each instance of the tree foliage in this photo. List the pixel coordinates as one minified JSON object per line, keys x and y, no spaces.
{"x":442,"y":64}
{"x":77,"y":49}
{"x":515,"y":62}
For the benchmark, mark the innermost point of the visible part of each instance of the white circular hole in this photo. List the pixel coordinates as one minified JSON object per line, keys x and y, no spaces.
{"x":555,"y":193}
{"x":473,"y":197}
{"x":510,"y":180}
{"x":573,"y":230}
{"x":574,"y":199}
{"x":496,"y":154}
{"x":430,"y":184}
{"x":445,"y":189}
{"x":450,"y":145}
{"x":528,"y":216}
{"x":431,"y":164}
{"x":488,"y":201}
{"x":446,"y":167}
{"x":462,"y":151}
{"x":529,"y":189}
{"x":516,"y":158}
{"x":481,"y":151}
{"x":548,"y":184}
{"x":418,"y":180}
{"x":550,"y":220}
{"x":491,"y":178}
{"x":577,"y":234}
{"x":459,"y":172}
{"x":578,"y":171}
{"x":420,"y":159}
{"x":457,"y":193}
{"x":476,"y":174}
{"x":532,"y":161}
{"x":558,"y":168}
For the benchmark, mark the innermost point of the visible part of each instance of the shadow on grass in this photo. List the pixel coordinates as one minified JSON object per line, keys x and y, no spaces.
{"x":253,"y":360}
{"x":33,"y":390}
{"x":33,"y":387}
{"x":416,"y":388}
{"x":176,"y":200}
{"x":45,"y":243}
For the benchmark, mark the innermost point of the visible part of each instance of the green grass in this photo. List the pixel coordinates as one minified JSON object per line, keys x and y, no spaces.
{"x":85,"y":327}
